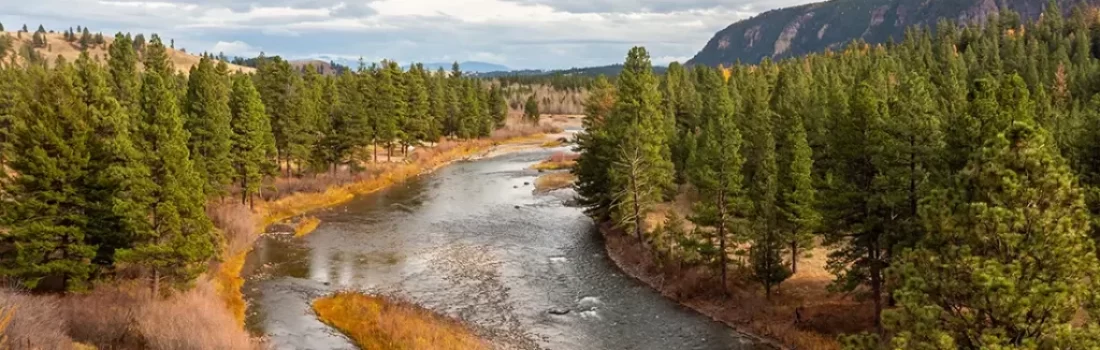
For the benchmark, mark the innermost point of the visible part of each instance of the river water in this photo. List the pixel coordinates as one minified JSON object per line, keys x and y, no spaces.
{"x":473,"y":242}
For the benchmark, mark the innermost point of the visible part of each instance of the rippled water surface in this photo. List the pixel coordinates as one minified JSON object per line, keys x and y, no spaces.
{"x":471,"y":241}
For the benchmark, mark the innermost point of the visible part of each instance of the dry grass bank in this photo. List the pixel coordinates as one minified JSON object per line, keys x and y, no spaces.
{"x":554,"y":181}
{"x":824,"y":315}
{"x":306,"y":226}
{"x":379,"y":323}
{"x":123,"y":316}
{"x":557,"y":161}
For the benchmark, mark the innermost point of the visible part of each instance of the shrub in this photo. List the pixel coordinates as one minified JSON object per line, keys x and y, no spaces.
{"x":36,"y":322}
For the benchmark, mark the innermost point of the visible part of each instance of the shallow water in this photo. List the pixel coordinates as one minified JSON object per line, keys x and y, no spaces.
{"x":471,"y":241}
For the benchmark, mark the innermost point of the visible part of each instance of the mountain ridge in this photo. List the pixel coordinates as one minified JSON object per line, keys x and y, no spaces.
{"x":816,"y":27}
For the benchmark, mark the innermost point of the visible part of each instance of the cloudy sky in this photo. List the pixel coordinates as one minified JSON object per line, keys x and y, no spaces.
{"x":517,"y":33}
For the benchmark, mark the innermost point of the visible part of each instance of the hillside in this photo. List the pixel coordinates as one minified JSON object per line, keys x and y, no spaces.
{"x":325,"y":67}
{"x":56,"y":45}
{"x":815,"y":27}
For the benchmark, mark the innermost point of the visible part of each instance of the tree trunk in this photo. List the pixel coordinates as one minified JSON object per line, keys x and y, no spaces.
{"x":722,"y":238}
{"x":375,"y":153}
{"x":637,"y":207}
{"x":389,"y":152}
{"x":156,"y":283}
{"x":794,"y":257}
{"x":876,"y":284}
{"x":244,"y":190}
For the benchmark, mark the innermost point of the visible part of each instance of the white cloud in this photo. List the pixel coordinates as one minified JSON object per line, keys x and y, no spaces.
{"x":235,"y":48}
{"x":516,"y":33}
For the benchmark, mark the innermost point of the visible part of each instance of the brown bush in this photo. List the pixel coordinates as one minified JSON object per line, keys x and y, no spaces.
{"x":37,"y":322}
{"x":103,"y":316}
{"x":237,"y":222}
{"x":195,"y":319}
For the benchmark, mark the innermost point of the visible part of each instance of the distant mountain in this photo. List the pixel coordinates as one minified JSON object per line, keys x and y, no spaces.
{"x":468,"y":66}
{"x":609,"y":70}
{"x":816,"y":27}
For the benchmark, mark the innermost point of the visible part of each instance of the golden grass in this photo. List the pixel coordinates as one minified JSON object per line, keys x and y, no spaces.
{"x":57,"y":46}
{"x":228,"y":282}
{"x":557,"y":161}
{"x":378,"y":323}
{"x":6,"y":315}
{"x":306,"y":226}
{"x":553,"y":143}
{"x":554,"y":181}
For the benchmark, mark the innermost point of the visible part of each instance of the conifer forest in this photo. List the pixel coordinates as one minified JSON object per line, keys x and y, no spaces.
{"x":952,"y":177}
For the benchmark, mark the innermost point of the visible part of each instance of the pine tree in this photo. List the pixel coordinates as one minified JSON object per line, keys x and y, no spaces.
{"x":531,"y":109}
{"x":274,"y":80}
{"x":418,"y":108}
{"x":717,"y":172}
{"x":85,"y":39}
{"x":596,"y":150}
{"x":305,"y":111}
{"x":1007,"y":262}
{"x":642,"y":170}
{"x":798,"y":217}
{"x":470,"y":110}
{"x":48,"y":214}
{"x":207,"y":121}
{"x":249,"y":139}
{"x":181,"y":238}
{"x":391,"y":106}
{"x":855,"y":216}
{"x":117,"y":184}
{"x":682,"y":104}
{"x":498,"y":106}
{"x":439,"y":101}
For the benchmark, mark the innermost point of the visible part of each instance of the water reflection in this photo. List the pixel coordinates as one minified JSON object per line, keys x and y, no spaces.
{"x":471,"y":242}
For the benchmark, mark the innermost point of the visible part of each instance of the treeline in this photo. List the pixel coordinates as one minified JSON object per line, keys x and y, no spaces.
{"x":108,"y":167}
{"x":954,"y":177}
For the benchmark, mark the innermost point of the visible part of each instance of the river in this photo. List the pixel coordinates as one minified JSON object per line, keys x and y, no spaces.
{"x":472,"y":242}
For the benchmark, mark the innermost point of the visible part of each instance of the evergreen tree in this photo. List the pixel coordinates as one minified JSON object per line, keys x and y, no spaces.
{"x":207,"y":121}
{"x":391,"y":106}
{"x":418,"y":108}
{"x":470,"y":110}
{"x":438,"y":101}
{"x":305,"y":110}
{"x":48,"y":211}
{"x":642,"y":170}
{"x":531,"y":109}
{"x":274,"y":80}
{"x":717,"y":172}
{"x":181,"y":238}
{"x":596,"y":151}
{"x":498,"y":106}
{"x":1007,"y":262}
{"x":117,"y":184}
{"x":854,"y":207}
{"x":249,"y":139}
{"x":797,"y":204}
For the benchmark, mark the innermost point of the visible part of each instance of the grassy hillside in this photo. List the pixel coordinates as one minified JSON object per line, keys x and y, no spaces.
{"x":57,"y":46}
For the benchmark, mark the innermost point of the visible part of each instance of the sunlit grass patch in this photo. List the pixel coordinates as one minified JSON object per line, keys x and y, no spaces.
{"x":378,"y":323}
{"x":554,"y":181}
{"x":306,"y":226}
